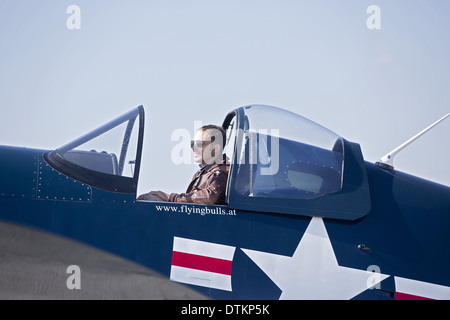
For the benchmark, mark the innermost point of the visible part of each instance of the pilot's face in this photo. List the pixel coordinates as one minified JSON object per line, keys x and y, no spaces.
{"x":205,"y":150}
{"x":198,"y":151}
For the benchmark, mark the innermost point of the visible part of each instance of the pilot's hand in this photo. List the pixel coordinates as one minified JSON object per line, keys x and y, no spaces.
{"x":142,"y":196}
{"x":150,"y":196}
{"x":160,"y":194}
{"x":154,"y":196}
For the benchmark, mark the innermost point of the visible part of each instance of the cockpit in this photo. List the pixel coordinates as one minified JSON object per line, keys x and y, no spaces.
{"x":283,"y":155}
{"x":280,"y":162}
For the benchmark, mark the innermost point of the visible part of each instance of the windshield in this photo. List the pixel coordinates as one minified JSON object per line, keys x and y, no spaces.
{"x":112,"y":150}
{"x":284,"y":155}
{"x":108,"y":149}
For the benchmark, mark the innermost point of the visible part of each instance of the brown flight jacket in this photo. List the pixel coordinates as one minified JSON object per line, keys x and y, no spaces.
{"x":207,"y":186}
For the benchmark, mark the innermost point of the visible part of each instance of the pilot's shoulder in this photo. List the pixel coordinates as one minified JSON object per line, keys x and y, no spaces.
{"x":219,"y":170}
{"x":224,"y":167}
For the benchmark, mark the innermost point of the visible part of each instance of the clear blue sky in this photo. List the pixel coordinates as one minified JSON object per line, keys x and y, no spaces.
{"x":188,"y":60}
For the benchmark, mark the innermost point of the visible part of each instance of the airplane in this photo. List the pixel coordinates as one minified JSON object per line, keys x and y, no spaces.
{"x":306,"y":216}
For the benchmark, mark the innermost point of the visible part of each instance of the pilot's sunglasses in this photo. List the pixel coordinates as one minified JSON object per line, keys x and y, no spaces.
{"x":198,"y":143}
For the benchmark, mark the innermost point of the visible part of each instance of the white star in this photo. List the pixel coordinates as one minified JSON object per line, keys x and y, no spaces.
{"x":313,"y":271}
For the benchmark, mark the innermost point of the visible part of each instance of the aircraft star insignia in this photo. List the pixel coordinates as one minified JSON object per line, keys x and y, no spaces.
{"x":313,"y":271}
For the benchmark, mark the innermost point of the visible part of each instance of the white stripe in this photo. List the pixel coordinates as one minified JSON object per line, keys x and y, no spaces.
{"x":203,"y":248}
{"x":422,"y":289}
{"x":201,"y":278}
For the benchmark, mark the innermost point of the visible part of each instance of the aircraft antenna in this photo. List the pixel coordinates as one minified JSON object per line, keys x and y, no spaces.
{"x":387,"y":161}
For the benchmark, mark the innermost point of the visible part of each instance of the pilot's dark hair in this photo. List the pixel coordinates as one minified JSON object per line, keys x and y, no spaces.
{"x":218,"y":128}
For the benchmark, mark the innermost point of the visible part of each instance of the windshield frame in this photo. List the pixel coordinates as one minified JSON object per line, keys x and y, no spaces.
{"x":104,"y":181}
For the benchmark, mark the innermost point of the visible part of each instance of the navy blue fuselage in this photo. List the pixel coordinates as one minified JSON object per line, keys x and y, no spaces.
{"x":309,"y":219}
{"x":405,"y":233}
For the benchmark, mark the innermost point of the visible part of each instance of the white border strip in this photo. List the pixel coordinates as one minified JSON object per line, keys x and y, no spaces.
{"x":201,"y":278}
{"x":422,"y":289}
{"x":203,"y":248}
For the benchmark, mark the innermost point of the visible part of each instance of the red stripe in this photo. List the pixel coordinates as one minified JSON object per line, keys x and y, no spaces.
{"x":405,"y":296}
{"x":194,"y":261}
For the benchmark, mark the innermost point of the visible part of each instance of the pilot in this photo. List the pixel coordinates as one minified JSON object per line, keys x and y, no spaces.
{"x":209,"y":182}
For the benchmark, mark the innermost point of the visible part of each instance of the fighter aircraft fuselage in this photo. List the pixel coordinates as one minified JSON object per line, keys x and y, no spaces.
{"x":392,"y":245}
